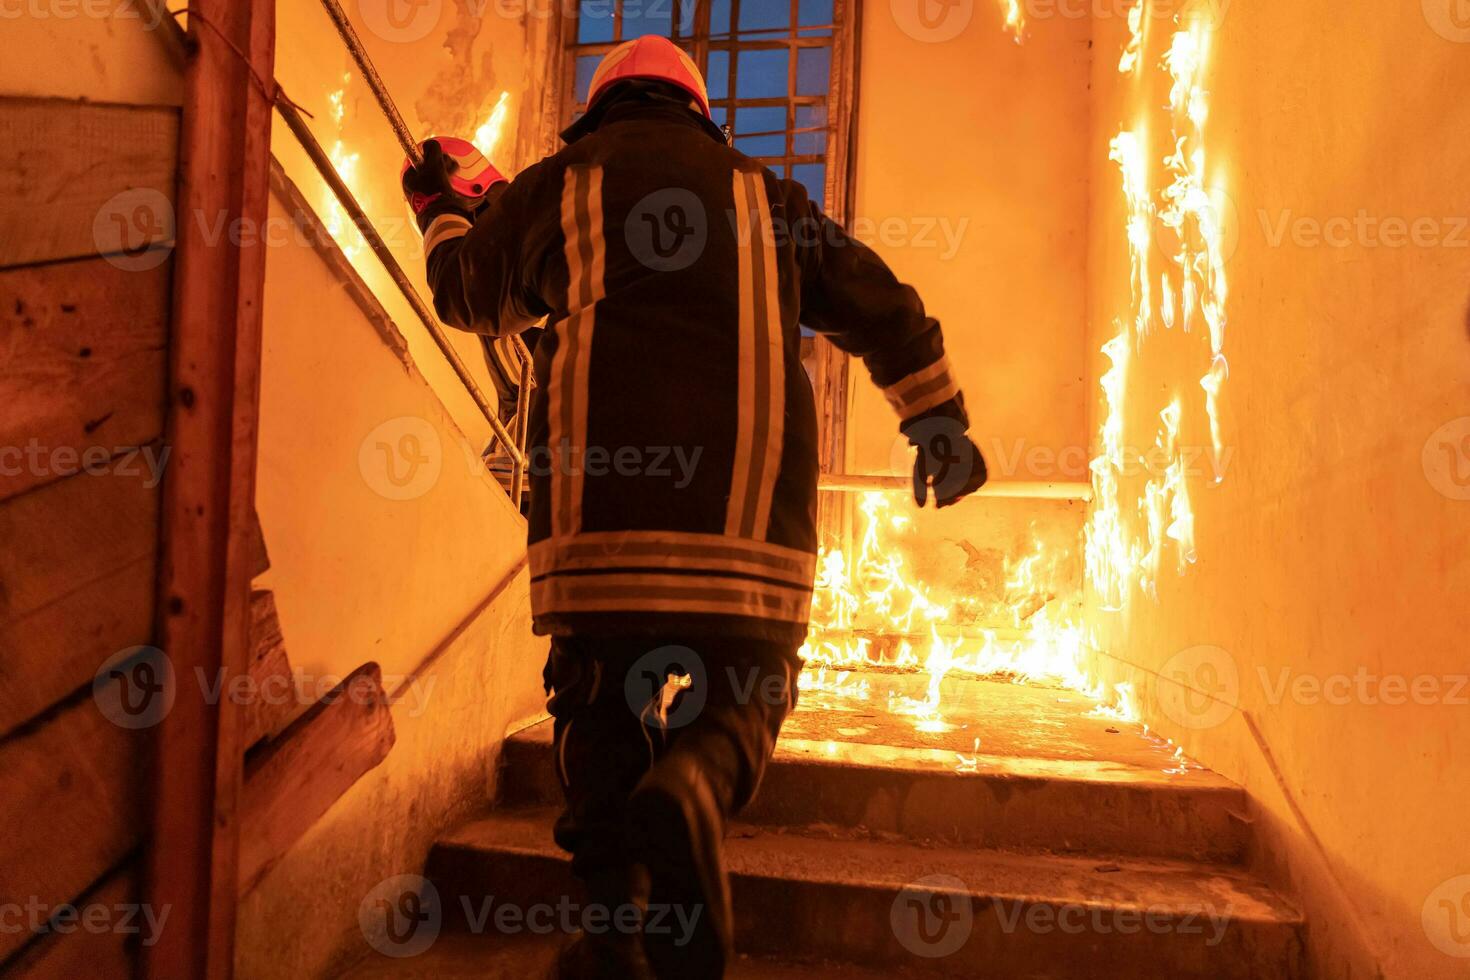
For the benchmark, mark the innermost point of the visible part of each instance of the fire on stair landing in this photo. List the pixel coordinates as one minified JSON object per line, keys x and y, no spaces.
{"x":970,"y":613}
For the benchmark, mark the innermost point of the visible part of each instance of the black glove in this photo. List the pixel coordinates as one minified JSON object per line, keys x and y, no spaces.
{"x":439,"y":184}
{"x":946,"y":458}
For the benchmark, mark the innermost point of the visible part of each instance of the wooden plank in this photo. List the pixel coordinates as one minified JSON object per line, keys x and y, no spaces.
{"x":260,"y":558}
{"x":71,"y":803}
{"x":291,"y":781}
{"x":80,"y":179}
{"x":77,"y":574}
{"x":82,"y":362}
{"x":274,"y":701}
{"x":57,"y":649}
{"x":90,"y":952}
{"x":63,"y":536}
{"x":209,"y":497}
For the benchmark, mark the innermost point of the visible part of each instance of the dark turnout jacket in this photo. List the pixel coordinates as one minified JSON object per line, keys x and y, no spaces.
{"x":673,"y":448}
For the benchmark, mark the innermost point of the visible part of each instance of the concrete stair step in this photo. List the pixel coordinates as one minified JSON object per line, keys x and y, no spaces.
{"x":1065,"y":806}
{"x":947,"y":910}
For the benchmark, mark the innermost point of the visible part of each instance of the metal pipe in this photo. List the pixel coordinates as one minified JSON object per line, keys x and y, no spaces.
{"x":395,"y":272}
{"x":523,"y":410}
{"x":374,"y":80}
{"x":861,"y":483}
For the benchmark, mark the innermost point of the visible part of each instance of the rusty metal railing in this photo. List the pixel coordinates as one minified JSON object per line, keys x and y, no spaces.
{"x":513,"y":443}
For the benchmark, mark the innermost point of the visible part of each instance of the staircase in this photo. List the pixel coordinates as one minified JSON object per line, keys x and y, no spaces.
{"x":1067,"y":845}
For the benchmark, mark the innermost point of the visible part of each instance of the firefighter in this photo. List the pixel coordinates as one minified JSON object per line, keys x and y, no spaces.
{"x":673,"y":465}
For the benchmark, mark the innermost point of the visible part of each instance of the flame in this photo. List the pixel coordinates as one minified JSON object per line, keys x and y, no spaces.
{"x":348,"y":238}
{"x":869,"y":611}
{"x":1192,"y":288}
{"x":492,"y":130}
{"x":1015,"y":19}
{"x":1133,"y":53}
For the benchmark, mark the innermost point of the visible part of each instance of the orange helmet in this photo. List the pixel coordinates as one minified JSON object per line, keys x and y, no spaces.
{"x":651,"y":57}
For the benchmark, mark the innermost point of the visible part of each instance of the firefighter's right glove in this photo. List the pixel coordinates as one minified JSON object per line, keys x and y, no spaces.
{"x":946,"y":459}
{"x":453,"y":178}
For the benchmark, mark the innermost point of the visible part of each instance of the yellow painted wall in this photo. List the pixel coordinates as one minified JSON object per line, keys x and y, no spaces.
{"x":972,"y":184}
{"x":386,"y":537}
{"x":1326,"y":608}
{"x":446,"y":65}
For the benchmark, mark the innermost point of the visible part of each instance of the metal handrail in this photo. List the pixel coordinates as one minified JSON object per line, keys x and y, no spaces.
{"x":514,"y":443}
{"x":395,"y":271}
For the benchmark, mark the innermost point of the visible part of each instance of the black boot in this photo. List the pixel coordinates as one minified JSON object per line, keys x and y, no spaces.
{"x":617,"y":952}
{"x":675,"y":828}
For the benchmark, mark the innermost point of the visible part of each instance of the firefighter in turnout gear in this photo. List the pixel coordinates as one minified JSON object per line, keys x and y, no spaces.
{"x":673,"y":462}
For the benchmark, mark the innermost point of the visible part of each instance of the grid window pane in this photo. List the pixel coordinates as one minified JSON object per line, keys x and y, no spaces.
{"x":813,"y":71}
{"x":772,"y":15}
{"x":642,"y":17}
{"x":762,"y":74}
{"x":769,"y":120}
{"x":586,"y":68}
{"x":812,"y":176}
{"x":814,"y":12}
{"x":815,"y":143}
{"x":717,"y":76}
{"x":719,"y":17}
{"x":595,"y":22}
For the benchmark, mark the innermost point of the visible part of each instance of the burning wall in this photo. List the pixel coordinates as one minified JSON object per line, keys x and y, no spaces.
{"x":1269,"y":186}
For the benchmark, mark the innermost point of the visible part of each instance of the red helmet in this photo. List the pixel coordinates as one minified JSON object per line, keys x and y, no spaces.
{"x":651,"y":57}
{"x":473,"y":175}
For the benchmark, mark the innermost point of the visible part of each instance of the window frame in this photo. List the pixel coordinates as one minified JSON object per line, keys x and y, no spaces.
{"x":829,"y":366}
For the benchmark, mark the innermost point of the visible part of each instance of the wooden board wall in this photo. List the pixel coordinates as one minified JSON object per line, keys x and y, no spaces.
{"x":85,"y":294}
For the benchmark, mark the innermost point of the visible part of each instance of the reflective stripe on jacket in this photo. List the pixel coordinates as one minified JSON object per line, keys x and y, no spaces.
{"x":672,"y":436}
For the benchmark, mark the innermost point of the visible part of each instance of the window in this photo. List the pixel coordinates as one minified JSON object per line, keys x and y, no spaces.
{"x":782,"y":76}
{"x":773,"y":67}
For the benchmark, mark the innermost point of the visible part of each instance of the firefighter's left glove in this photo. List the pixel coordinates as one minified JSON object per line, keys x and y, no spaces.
{"x":453,"y":178}
{"x":946,"y":459}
